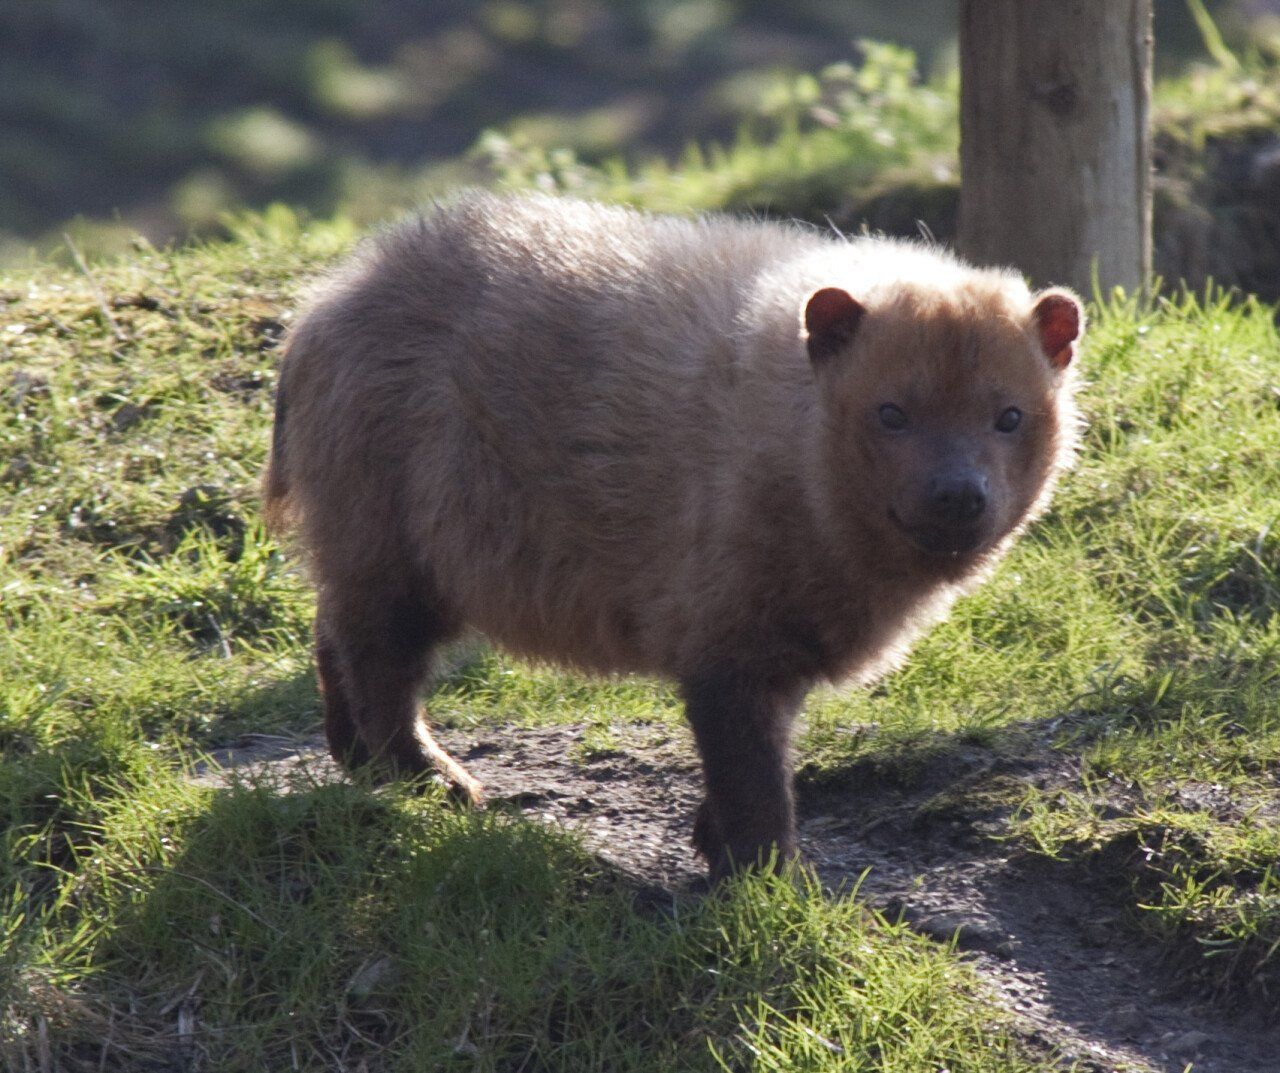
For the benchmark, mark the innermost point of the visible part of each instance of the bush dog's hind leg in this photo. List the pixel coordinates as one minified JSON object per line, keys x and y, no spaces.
{"x":743,"y":732}
{"x":377,"y":652}
{"x":345,"y":743}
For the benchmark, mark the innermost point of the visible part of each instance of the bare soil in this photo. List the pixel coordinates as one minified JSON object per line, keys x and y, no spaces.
{"x":1054,"y":945}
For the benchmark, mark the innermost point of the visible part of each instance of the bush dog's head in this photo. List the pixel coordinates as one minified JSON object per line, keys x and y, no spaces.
{"x":947,"y":410}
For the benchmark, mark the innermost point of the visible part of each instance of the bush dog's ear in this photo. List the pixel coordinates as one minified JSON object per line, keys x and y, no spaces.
{"x":1059,"y":320}
{"x":831,"y":316}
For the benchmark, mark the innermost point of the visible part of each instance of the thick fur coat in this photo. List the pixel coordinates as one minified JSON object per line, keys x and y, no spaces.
{"x":745,"y":455}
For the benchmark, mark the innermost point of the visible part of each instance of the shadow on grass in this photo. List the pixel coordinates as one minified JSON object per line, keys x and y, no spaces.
{"x":1111,"y":807}
{"x":277,"y":708}
{"x":324,"y":925}
{"x":335,"y":925}
{"x":970,"y":770}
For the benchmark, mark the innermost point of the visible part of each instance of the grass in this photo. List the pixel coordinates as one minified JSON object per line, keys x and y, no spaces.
{"x":850,"y":133}
{"x":150,"y":919}
{"x":364,"y":109}
{"x":1125,"y":654}
{"x":1178,"y":501}
{"x":1137,"y":633}
{"x":165,"y":120}
{"x":874,"y":144}
{"x":334,"y":926}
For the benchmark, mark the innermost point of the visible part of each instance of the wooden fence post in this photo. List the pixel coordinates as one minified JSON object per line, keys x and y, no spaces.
{"x":1055,"y":144}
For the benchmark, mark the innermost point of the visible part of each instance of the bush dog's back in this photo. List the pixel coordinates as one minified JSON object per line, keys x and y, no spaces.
{"x":744,"y":455}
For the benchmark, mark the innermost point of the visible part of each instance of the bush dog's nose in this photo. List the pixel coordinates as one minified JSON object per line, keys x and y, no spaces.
{"x":958,"y":498}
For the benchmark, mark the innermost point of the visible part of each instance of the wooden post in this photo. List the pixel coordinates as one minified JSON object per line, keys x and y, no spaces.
{"x":1055,"y":144}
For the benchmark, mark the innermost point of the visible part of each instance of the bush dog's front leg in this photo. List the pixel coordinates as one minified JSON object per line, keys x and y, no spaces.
{"x":743,"y":731}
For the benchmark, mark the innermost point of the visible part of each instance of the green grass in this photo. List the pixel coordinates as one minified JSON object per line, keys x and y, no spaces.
{"x":1124,"y":655}
{"x":167,"y":119}
{"x":364,"y":109}
{"x":819,"y":142}
{"x":1136,"y":630}
{"x":875,"y":144}
{"x":150,"y":919}
{"x":333,"y":926}
{"x":1178,"y":503}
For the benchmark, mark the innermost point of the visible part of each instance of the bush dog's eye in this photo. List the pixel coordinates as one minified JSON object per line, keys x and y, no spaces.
{"x":892,"y":417}
{"x":1009,"y":420}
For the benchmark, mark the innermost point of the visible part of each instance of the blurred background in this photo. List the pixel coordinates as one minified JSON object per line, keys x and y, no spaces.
{"x":121,"y":118}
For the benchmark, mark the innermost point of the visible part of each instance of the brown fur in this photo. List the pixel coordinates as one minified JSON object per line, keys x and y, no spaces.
{"x":629,"y":443}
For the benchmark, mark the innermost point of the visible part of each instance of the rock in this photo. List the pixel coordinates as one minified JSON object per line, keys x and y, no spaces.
{"x":1096,"y":933}
{"x":1128,"y":1021}
{"x":26,"y":385}
{"x":126,"y":417}
{"x":1184,"y":1044}
{"x":820,"y":825}
{"x":370,"y":977}
{"x":970,"y":933}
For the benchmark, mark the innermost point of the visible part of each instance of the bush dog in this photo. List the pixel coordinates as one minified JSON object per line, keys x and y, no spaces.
{"x":747,"y":456}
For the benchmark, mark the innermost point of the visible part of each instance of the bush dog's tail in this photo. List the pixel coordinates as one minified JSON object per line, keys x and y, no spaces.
{"x":276,"y":505}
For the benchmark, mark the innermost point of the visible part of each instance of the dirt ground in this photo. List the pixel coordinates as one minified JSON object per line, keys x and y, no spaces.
{"x":1051,"y":944}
